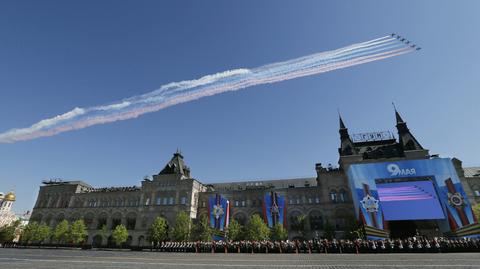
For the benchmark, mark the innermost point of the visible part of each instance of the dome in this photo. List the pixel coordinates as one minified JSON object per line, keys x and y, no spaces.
{"x":10,"y":196}
{"x":1,"y":195}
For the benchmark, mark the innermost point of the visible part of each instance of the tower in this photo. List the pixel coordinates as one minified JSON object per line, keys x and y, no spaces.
{"x":6,"y":201}
{"x":6,"y":214}
{"x":177,"y":166}
{"x":411,"y":147}
{"x":346,"y":144}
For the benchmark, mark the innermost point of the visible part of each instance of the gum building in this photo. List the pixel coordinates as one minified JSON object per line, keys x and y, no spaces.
{"x":323,"y":198}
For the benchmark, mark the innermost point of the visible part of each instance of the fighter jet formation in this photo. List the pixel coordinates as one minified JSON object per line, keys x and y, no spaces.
{"x":404,"y":40}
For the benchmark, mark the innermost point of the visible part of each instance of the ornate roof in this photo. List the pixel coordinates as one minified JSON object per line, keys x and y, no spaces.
{"x":176,"y":165}
{"x":10,"y":196}
{"x":383,"y":148}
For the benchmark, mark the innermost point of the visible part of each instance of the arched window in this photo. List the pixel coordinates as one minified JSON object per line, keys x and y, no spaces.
{"x":333,"y":196}
{"x":297,"y":221}
{"x":316,"y":220}
{"x":88,"y":219}
{"x":97,"y":240}
{"x":131,"y":221}
{"x":240,"y":218}
{"x":343,"y":196}
{"x":116,"y":220}
{"x":102,"y":220}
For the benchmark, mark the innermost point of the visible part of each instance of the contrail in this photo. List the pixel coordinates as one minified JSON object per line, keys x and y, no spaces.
{"x":184,"y":91}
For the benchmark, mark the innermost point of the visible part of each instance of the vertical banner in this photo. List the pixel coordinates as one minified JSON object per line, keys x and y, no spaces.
{"x":219,"y":212}
{"x":274,"y":210}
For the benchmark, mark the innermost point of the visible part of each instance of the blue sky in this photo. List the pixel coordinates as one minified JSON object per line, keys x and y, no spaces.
{"x":57,"y":55}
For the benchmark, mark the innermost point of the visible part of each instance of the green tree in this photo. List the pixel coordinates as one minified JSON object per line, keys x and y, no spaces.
{"x":183,"y":224}
{"x":328,"y":231}
{"x":256,"y":229}
{"x":279,"y":232}
{"x":300,"y":225}
{"x":354,"y":229}
{"x":120,"y":234}
{"x":203,"y":231}
{"x":78,"y":231}
{"x":43,"y":233}
{"x":61,"y":232}
{"x":234,"y":230}
{"x":104,"y":233}
{"x":29,"y":232}
{"x":7,"y":233}
{"x":158,"y":231}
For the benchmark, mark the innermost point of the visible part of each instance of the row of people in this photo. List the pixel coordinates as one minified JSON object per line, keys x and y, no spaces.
{"x":409,"y":245}
{"x":325,"y":246}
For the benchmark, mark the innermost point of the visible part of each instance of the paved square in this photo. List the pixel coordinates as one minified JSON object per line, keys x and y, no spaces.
{"x":52,"y":258}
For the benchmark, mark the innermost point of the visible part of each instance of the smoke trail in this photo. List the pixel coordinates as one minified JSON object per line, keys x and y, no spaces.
{"x":179,"y":92}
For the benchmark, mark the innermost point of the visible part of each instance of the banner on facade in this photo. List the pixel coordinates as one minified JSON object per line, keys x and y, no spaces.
{"x":274,"y":209}
{"x":219,"y":212}
{"x":411,"y":190}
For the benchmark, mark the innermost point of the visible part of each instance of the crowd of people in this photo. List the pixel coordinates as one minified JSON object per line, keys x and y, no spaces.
{"x":410,"y":245}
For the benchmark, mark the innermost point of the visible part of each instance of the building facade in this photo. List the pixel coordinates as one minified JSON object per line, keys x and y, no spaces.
{"x":325,"y":198}
{"x":471,"y":176}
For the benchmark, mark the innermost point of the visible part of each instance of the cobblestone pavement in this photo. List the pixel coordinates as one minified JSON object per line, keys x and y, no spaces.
{"x":59,"y":258}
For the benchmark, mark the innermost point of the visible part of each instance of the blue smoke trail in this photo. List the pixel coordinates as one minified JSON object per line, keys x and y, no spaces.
{"x":184,"y":91}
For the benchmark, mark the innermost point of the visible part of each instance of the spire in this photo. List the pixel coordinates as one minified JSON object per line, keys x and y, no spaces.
{"x":346,"y":145}
{"x":401,"y":124}
{"x":176,"y":165}
{"x":342,"y":125}
{"x":406,"y":138}
{"x":343,"y":130}
{"x":397,"y":115}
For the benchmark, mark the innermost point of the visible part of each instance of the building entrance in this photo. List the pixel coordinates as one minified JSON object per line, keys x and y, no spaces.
{"x":408,"y":228}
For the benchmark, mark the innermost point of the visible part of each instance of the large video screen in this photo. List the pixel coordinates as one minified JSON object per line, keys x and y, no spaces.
{"x":410,"y":200}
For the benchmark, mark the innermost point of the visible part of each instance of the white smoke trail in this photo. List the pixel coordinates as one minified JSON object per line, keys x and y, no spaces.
{"x":179,"y":92}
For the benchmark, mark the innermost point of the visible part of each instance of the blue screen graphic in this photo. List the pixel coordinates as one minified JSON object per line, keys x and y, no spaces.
{"x":411,"y":200}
